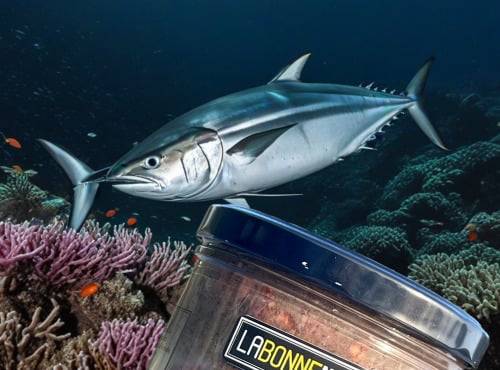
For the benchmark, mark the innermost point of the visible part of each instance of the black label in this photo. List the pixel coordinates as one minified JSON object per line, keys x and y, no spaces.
{"x":257,"y":346}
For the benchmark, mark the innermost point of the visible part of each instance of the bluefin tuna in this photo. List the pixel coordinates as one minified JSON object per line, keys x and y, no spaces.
{"x":244,"y":143}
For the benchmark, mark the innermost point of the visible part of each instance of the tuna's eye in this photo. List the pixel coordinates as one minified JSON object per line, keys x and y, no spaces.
{"x":151,"y":162}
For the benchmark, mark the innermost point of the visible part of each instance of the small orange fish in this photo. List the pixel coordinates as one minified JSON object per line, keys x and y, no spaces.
{"x":18,"y":168}
{"x":473,"y":235}
{"x":13,"y":142}
{"x":89,"y":290}
{"x":131,"y":221}
{"x":110,"y":213}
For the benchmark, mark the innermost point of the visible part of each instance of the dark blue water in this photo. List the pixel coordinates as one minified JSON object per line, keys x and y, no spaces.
{"x":121,"y":69}
{"x":99,"y":76}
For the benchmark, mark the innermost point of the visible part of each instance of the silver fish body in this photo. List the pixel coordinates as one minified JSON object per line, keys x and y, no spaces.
{"x":249,"y":141}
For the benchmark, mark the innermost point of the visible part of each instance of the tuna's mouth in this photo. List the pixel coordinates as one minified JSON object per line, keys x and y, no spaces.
{"x":130,"y":180}
{"x":135,"y":184}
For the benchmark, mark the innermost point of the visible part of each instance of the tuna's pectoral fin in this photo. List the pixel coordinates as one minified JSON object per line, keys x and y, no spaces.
{"x":78,"y":172}
{"x":252,"y":146}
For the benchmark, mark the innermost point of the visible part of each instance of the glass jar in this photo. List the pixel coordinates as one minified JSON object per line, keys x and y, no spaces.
{"x":265,"y":294}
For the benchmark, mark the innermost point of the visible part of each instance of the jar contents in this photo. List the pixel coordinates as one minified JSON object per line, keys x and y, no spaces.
{"x":217,"y":297}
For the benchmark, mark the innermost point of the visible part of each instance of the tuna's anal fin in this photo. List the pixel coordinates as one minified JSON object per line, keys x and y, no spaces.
{"x":78,"y":172}
{"x":238,"y":201}
{"x":252,"y":146}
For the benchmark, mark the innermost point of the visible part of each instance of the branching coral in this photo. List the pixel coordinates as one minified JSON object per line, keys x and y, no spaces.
{"x":65,"y":257}
{"x":79,"y":354}
{"x":165,"y":268}
{"x":24,"y":347}
{"x":17,"y":243}
{"x":128,"y":344}
{"x":38,"y":262}
{"x":474,"y":287}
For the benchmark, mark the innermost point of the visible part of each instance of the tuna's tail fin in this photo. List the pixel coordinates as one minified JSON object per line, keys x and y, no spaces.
{"x":77,"y":171}
{"x":415,"y":90}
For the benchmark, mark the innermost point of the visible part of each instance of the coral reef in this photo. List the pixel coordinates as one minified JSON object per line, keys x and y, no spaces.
{"x":47,"y":266}
{"x":388,"y":245}
{"x":166,"y":268}
{"x":64,"y":257}
{"x":443,"y":242}
{"x":78,"y":353}
{"x":433,"y":211}
{"x":431,"y":199}
{"x":466,"y":172}
{"x":128,"y":344}
{"x":474,"y":287}
{"x":24,"y":347}
{"x":117,"y":297}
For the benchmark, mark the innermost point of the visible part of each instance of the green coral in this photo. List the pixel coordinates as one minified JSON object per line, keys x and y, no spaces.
{"x":480,"y":252}
{"x":423,"y":209}
{"x":387,"y":245}
{"x":18,"y":186}
{"x":444,"y":242}
{"x":462,"y":172}
{"x":423,"y":215}
{"x":473,"y":286}
{"x":20,"y":200}
{"x":383,"y":217}
{"x":434,"y":206}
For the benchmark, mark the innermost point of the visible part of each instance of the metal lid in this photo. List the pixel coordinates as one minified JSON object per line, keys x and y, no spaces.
{"x":362,"y":280}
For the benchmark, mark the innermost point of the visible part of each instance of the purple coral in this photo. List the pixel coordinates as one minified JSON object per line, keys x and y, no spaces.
{"x":165,"y":268}
{"x":64,"y":256}
{"x":128,"y":344}
{"x":18,"y":242}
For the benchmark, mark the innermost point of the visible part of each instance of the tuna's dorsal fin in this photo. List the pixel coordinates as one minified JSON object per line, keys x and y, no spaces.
{"x":292,"y":71}
{"x":250,"y":147}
